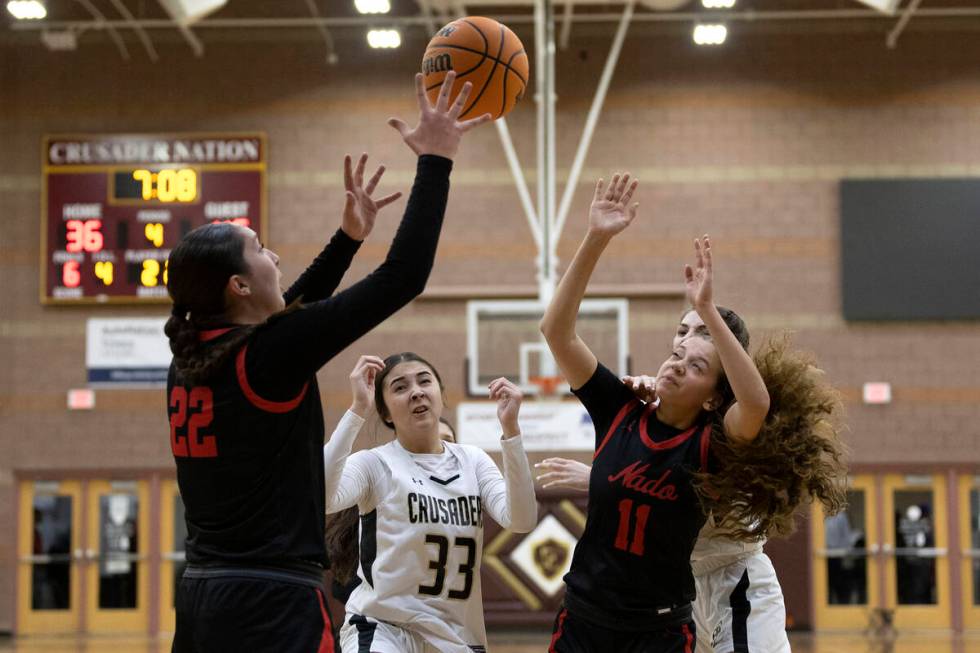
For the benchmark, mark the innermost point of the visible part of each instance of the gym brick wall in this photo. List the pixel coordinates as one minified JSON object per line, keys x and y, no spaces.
{"x":745,"y":142}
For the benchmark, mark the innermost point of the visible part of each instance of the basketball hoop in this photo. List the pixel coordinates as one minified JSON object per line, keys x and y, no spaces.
{"x":547,"y":385}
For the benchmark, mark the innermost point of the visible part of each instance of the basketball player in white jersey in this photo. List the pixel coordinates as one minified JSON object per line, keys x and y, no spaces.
{"x":421,"y":503}
{"x":739,"y":605}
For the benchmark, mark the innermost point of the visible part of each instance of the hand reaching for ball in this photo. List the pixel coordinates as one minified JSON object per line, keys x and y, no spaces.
{"x":439,"y":129}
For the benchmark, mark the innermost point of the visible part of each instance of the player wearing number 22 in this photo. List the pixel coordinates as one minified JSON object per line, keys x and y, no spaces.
{"x":246,"y":424}
{"x":422,"y":503}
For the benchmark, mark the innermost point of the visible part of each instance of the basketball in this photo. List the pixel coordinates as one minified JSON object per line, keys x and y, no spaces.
{"x":483,"y":52}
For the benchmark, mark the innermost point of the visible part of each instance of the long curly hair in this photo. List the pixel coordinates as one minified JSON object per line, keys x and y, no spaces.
{"x":798,"y":456}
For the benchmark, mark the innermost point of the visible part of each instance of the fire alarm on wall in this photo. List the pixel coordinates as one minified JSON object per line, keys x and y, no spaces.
{"x":81,"y":399}
{"x":878,"y":392}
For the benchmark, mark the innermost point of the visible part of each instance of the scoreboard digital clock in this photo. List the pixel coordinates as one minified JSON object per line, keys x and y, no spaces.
{"x":113,"y":206}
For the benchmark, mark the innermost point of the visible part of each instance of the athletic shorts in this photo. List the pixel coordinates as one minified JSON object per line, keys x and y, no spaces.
{"x":740,"y":609}
{"x":362,"y":635}
{"x":240,"y":611}
{"x":574,"y":635}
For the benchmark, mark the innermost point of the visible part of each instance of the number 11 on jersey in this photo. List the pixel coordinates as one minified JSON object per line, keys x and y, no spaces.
{"x":623,"y":540}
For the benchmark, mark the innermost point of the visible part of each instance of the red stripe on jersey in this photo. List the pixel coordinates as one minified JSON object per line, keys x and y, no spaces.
{"x":326,"y":641}
{"x":259,"y":402}
{"x":675,"y":441}
{"x":615,"y":424}
{"x":688,"y":639}
{"x":204,"y":336}
{"x":705,"y":443}
{"x":557,"y":635}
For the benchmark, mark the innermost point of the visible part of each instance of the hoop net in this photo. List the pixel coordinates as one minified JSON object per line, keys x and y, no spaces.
{"x":547,"y":385}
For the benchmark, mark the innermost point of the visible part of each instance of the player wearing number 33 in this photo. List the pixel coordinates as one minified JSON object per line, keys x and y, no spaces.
{"x":421,"y":502}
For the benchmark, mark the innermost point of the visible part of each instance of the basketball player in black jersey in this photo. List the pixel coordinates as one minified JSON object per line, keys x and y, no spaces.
{"x":630,"y":585}
{"x":246,"y":425}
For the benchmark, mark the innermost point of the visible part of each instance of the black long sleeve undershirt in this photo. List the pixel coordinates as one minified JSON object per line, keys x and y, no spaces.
{"x":323,"y":275}
{"x":284,"y":353}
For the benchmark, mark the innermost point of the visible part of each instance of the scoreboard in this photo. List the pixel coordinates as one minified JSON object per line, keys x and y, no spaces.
{"x":113,"y":206}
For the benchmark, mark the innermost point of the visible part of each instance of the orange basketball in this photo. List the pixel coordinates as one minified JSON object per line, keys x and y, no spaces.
{"x":484,"y":53}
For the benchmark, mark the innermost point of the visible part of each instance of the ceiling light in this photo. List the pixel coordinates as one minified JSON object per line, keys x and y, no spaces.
{"x":372,"y":6}
{"x":384,"y":38}
{"x":884,"y":6}
{"x":717,"y":4}
{"x":710,"y":34}
{"x":188,"y":12}
{"x":26,"y":9}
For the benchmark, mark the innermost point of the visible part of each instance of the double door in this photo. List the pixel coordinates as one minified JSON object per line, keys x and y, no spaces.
{"x":891,"y":550}
{"x":98,"y":555}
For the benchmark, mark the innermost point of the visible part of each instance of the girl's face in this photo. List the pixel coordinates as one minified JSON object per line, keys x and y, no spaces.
{"x":690,"y":325}
{"x":689,"y":377}
{"x":413,"y":398}
{"x":263,"y":275}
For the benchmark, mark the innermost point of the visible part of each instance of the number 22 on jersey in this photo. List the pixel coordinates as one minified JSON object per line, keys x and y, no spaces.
{"x":195,"y":411}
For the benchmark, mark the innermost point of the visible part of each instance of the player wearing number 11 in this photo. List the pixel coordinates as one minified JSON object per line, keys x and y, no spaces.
{"x":630,"y":584}
{"x":422,"y":503}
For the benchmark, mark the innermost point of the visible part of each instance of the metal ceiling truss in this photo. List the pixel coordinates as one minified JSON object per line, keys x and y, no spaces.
{"x":546,"y":218}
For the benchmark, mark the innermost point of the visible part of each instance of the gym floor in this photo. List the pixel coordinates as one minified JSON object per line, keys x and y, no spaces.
{"x":533,"y":642}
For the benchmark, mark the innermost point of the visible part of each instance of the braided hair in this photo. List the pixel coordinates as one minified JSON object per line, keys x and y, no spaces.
{"x":198,"y":272}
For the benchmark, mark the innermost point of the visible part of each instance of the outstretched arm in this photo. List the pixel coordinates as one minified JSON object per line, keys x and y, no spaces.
{"x":562,"y":472}
{"x":288,"y":349}
{"x":745,"y":417}
{"x":509,"y":498}
{"x":322,"y":277}
{"x":347,"y":484}
{"x":609,"y":214}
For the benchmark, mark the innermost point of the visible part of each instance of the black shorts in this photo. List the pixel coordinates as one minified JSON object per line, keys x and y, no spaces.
{"x":574,"y":635}
{"x":236,"y":610}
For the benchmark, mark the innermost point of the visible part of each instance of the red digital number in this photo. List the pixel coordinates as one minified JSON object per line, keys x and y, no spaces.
{"x":200,"y":404}
{"x":70,"y":276}
{"x":84,"y":235}
{"x":639,"y":530}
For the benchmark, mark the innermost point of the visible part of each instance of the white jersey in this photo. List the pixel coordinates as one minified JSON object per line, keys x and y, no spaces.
{"x":713,"y":551}
{"x":421,"y":532}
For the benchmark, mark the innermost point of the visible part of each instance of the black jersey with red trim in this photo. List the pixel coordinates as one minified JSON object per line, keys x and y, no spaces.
{"x":632,"y":562}
{"x":248,"y":444}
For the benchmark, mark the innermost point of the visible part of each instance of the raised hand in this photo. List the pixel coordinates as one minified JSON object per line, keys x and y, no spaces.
{"x":508,"y":398}
{"x":439,"y":129}
{"x":361,"y":209}
{"x":643,"y":386}
{"x":562,"y":472}
{"x":362,"y":383}
{"x":698,"y":279}
{"x":611,"y":211}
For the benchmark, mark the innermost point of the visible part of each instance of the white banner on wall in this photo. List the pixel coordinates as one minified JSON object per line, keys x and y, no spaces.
{"x":545,"y":426}
{"x":130,"y":351}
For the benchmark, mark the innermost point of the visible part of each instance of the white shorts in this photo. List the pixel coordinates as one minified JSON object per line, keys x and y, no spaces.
{"x":366,"y":635}
{"x":739,"y":608}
